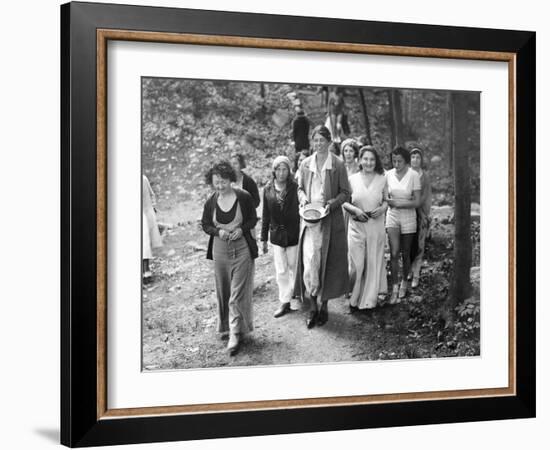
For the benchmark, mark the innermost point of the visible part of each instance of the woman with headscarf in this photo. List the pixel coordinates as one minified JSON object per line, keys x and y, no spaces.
{"x":228,"y":217}
{"x":280,"y":219}
{"x":366,"y":233}
{"x":322,"y":270}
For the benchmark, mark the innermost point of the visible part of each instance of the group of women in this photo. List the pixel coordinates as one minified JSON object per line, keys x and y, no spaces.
{"x":342,"y":254}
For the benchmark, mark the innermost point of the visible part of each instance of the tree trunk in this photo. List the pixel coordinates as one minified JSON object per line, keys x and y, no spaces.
{"x":450,"y":132}
{"x":392,"y":120}
{"x":365,"y":115}
{"x":460,"y":288}
{"x":396,"y":117}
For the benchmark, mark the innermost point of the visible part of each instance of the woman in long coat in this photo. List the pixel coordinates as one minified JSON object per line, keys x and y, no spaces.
{"x":323,"y":179}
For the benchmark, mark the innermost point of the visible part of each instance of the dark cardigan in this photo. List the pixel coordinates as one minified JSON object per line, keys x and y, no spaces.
{"x":250,"y":186}
{"x":283,"y":224}
{"x":249,"y":220}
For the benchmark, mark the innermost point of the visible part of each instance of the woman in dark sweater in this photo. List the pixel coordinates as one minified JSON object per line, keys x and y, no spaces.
{"x":242,"y":180}
{"x":281,"y":219}
{"x":228,"y":217}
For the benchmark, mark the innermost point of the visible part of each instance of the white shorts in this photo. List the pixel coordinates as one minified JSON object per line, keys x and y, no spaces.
{"x":404,"y":219}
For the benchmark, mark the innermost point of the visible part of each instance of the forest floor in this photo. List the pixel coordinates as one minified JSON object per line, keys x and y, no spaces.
{"x":180,"y":314}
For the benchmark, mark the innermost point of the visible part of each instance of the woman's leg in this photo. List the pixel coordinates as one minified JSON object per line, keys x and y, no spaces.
{"x":422,"y":233}
{"x":223,"y":292}
{"x":394,"y":238}
{"x":406,"y":244}
{"x":357,"y":249}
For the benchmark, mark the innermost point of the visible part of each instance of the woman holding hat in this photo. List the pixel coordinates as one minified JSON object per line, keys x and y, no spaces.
{"x":280,"y":219}
{"x":323,"y":180}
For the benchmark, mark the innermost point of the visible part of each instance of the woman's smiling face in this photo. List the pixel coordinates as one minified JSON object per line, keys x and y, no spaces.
{"x":220,"y":184}
{"x":368,"y":162}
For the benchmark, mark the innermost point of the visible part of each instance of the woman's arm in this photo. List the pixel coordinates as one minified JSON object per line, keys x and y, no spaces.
{"x":249,"y":212}
{"x":254,"y":192}
{"x":414,"y":203}
{"x":206,"y":222}
{"x":302,"y":196}
{"x":425,"y":188}
{"x":344,"y":190}
{"x":266,"y":216}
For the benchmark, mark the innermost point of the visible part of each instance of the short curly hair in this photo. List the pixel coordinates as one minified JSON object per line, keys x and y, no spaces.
{"x":402,"y":152}
{"x":222,"y":169}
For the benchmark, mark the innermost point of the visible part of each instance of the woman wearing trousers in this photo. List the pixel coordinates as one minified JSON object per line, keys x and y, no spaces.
{"x":281,"y":220}
{"x":228,"y":217}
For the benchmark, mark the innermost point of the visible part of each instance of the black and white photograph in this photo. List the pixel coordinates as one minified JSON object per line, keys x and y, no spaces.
{"x":305,"y":224}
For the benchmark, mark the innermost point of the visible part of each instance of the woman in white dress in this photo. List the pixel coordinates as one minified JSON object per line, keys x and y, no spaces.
{"x":403,"y":199}
{"x":366,"y":233}
{"x":150,"y":231}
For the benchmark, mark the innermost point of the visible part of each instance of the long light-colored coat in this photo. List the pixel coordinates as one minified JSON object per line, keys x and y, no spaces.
{"x":334,"y":250}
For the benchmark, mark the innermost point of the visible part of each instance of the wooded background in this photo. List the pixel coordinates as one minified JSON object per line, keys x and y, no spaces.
{"x":187,"y":124}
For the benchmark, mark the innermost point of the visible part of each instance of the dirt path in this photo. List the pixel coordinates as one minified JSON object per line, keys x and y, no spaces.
{"x":179,"y":314}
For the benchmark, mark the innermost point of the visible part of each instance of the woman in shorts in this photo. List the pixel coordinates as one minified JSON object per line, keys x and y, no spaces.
{"x":403,"y":199}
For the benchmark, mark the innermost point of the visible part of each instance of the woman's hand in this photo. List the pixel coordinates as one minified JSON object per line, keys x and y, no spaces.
{"x":236,"y":234}
{"x":392,"y":202}
{"x":358,"y":214}
{"x":264,"y":247}
{"x":377,"y":212}
{"x":224,"y":235}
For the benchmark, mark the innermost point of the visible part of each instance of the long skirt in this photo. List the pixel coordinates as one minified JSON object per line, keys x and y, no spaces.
{"x":366,"y":248}
{"x":234,"y":273}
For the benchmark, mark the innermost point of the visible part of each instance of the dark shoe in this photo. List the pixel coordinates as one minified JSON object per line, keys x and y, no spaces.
{"x":312,"y":317}
{"x":353,"y":309}
{"x":282,"y":310}
{"x":323,"y":317}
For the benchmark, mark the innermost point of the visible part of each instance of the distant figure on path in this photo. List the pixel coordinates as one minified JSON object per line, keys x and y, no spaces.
{"x":300,"y":132}
{"x":336,"y":110}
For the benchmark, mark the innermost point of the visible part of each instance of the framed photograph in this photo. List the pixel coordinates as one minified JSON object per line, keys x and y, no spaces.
{"x":278,"y":224}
